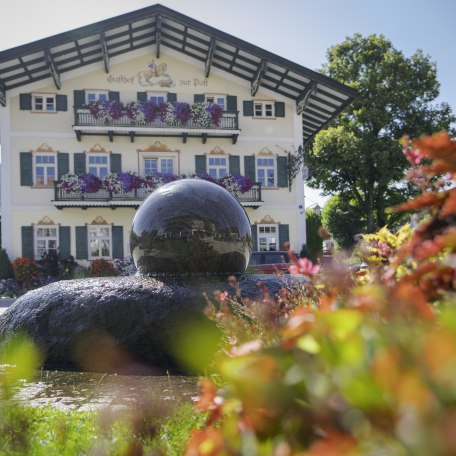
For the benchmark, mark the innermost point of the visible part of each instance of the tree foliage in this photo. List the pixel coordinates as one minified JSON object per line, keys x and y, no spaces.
{"x":314,"y":245}
{"x":359,"y":156}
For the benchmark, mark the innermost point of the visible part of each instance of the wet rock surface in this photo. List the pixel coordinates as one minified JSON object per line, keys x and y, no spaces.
{"x":128,"y":325}
{"x":83,"y":391}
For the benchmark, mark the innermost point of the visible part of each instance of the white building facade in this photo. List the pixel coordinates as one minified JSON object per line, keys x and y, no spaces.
{"x":258,"y":107}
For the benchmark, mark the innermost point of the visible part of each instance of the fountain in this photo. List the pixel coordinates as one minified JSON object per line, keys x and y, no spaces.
{"x":187,"y":238}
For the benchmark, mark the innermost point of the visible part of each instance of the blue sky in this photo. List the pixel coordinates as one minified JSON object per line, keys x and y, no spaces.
{"x":299,"y":30}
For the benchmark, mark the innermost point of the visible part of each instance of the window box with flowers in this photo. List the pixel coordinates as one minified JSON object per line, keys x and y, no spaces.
{"x":179,"y":114}
{"x":130,"y":185}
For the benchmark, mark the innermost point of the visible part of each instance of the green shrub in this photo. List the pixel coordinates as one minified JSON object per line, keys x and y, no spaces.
{"x":6,"y":270}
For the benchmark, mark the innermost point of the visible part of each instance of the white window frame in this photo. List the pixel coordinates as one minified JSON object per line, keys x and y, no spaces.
{"x":264,"y":180}
{"x":46,"y":166}
{"x":151,"y":95}
{"x":92,"y":95}
{"x":159,"y":159}
{"x":39,"y":236}
{"x":269,"y":232}
{"x":44,"y":102}
{"x":98,"y":166}
{"x":263,"y":109}
{"x":217,"y":167}
{"x":99,"y":238}
{"x":218,"y":99}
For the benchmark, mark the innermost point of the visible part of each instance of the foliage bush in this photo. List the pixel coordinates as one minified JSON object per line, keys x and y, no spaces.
{"x":314,"y":246}
{"x":6,"y":270}
{"x":102,"y":268}
{"x":348,"y":363}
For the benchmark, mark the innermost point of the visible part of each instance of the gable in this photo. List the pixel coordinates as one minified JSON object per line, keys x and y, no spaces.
{"x":318,"y":98}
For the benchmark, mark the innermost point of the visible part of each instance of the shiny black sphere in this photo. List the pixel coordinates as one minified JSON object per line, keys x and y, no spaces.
{"x":190,"y":226}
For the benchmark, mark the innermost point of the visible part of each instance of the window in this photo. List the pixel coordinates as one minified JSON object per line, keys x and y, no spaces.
{"x":263,"y":109}
{"x":267,"y":237}
{"x":266,"y":171}
{"x":156,"y":97}
{"x":42,"y":102}
{"x":46,"y":239}
{"x":96,"y":95}
{"x":98,"y":165}
{"x":217,"y":167}
{"x":100,"y":241}
{"x":217,"y":99}
{"x":154,"y":165}
{"x":45,"y":170}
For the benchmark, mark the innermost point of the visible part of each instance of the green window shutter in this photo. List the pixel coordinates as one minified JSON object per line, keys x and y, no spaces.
{"x":247,"y":108}
{"x":254,"y":237}
{"x":117,"y":242}
{"x":25,"y":101}
{"x":61,"y":102}
{"x":198,"y":98}
{"x":171,"y":98}
{"x":116,"y":163}
{"x":81,"y":243}
{"x":80,"y":163}
{"x":63,"y":164}
{"x":141,"y":97}
{"x":249,"y":167}
{"x":284,"y":235}
{"x":64,"y":242}
{"x":282,"y":172}
{"x":79,"y":98}
{"x":279,"y":109}
{"x":231,"y":103}
{"x":26,"y":166}
{"x":27,"y":242}
{"x":235,"y":165}
{"x":200,"y":164}
{"x":113,"y":96}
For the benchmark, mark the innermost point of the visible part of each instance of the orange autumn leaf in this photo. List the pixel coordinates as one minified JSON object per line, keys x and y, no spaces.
{"x":334,"y":444}
{"x":439,"y":145}
{"x":408,"y":299}
{"x":449,"y":206}
{"x":426,"y":200}
{"x":206,"y":398}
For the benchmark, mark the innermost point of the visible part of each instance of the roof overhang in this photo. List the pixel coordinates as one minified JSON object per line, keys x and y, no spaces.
{"x":318,"y":98}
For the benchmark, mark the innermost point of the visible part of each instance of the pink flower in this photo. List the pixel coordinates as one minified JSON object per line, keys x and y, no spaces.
{"x":305,"y":267}
{"x":223,"y":295}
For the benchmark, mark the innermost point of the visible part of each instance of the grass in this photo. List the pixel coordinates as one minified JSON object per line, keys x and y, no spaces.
{"x":44,"y":431}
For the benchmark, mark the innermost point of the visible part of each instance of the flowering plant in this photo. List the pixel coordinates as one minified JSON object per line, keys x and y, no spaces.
{"x":106,"y":110}
{"x":70,"y":183}
{"x":25,"y":270}
{"x":236,"y":184}
{"x":171,"y":114}
{"x":89,"y":183}
{"x":135,"y":111}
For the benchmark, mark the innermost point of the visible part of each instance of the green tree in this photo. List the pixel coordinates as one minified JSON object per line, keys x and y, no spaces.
{"x":343,"y":219}
{"x":359,"y":156}
{"x":314,"y":246}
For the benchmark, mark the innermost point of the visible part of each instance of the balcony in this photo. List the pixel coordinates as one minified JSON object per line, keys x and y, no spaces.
{"x":85,"y":123}
{"x":134,"y":198}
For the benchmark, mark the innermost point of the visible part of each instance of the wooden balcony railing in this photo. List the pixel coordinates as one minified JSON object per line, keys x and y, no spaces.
{"x":130,"y":199}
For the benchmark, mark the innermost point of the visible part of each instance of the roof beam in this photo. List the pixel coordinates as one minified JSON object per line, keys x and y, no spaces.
{"x":158,"y":30}
{"x":210,"y":55}
{"x":303,"y":99}
{"x":256,"y":82}
{"x":52,"y":69}
{"x":2,"y":94}
{"x":104,"y":51}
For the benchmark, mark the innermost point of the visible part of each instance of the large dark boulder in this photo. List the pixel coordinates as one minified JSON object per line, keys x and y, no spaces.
{"x":123,"y":324}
